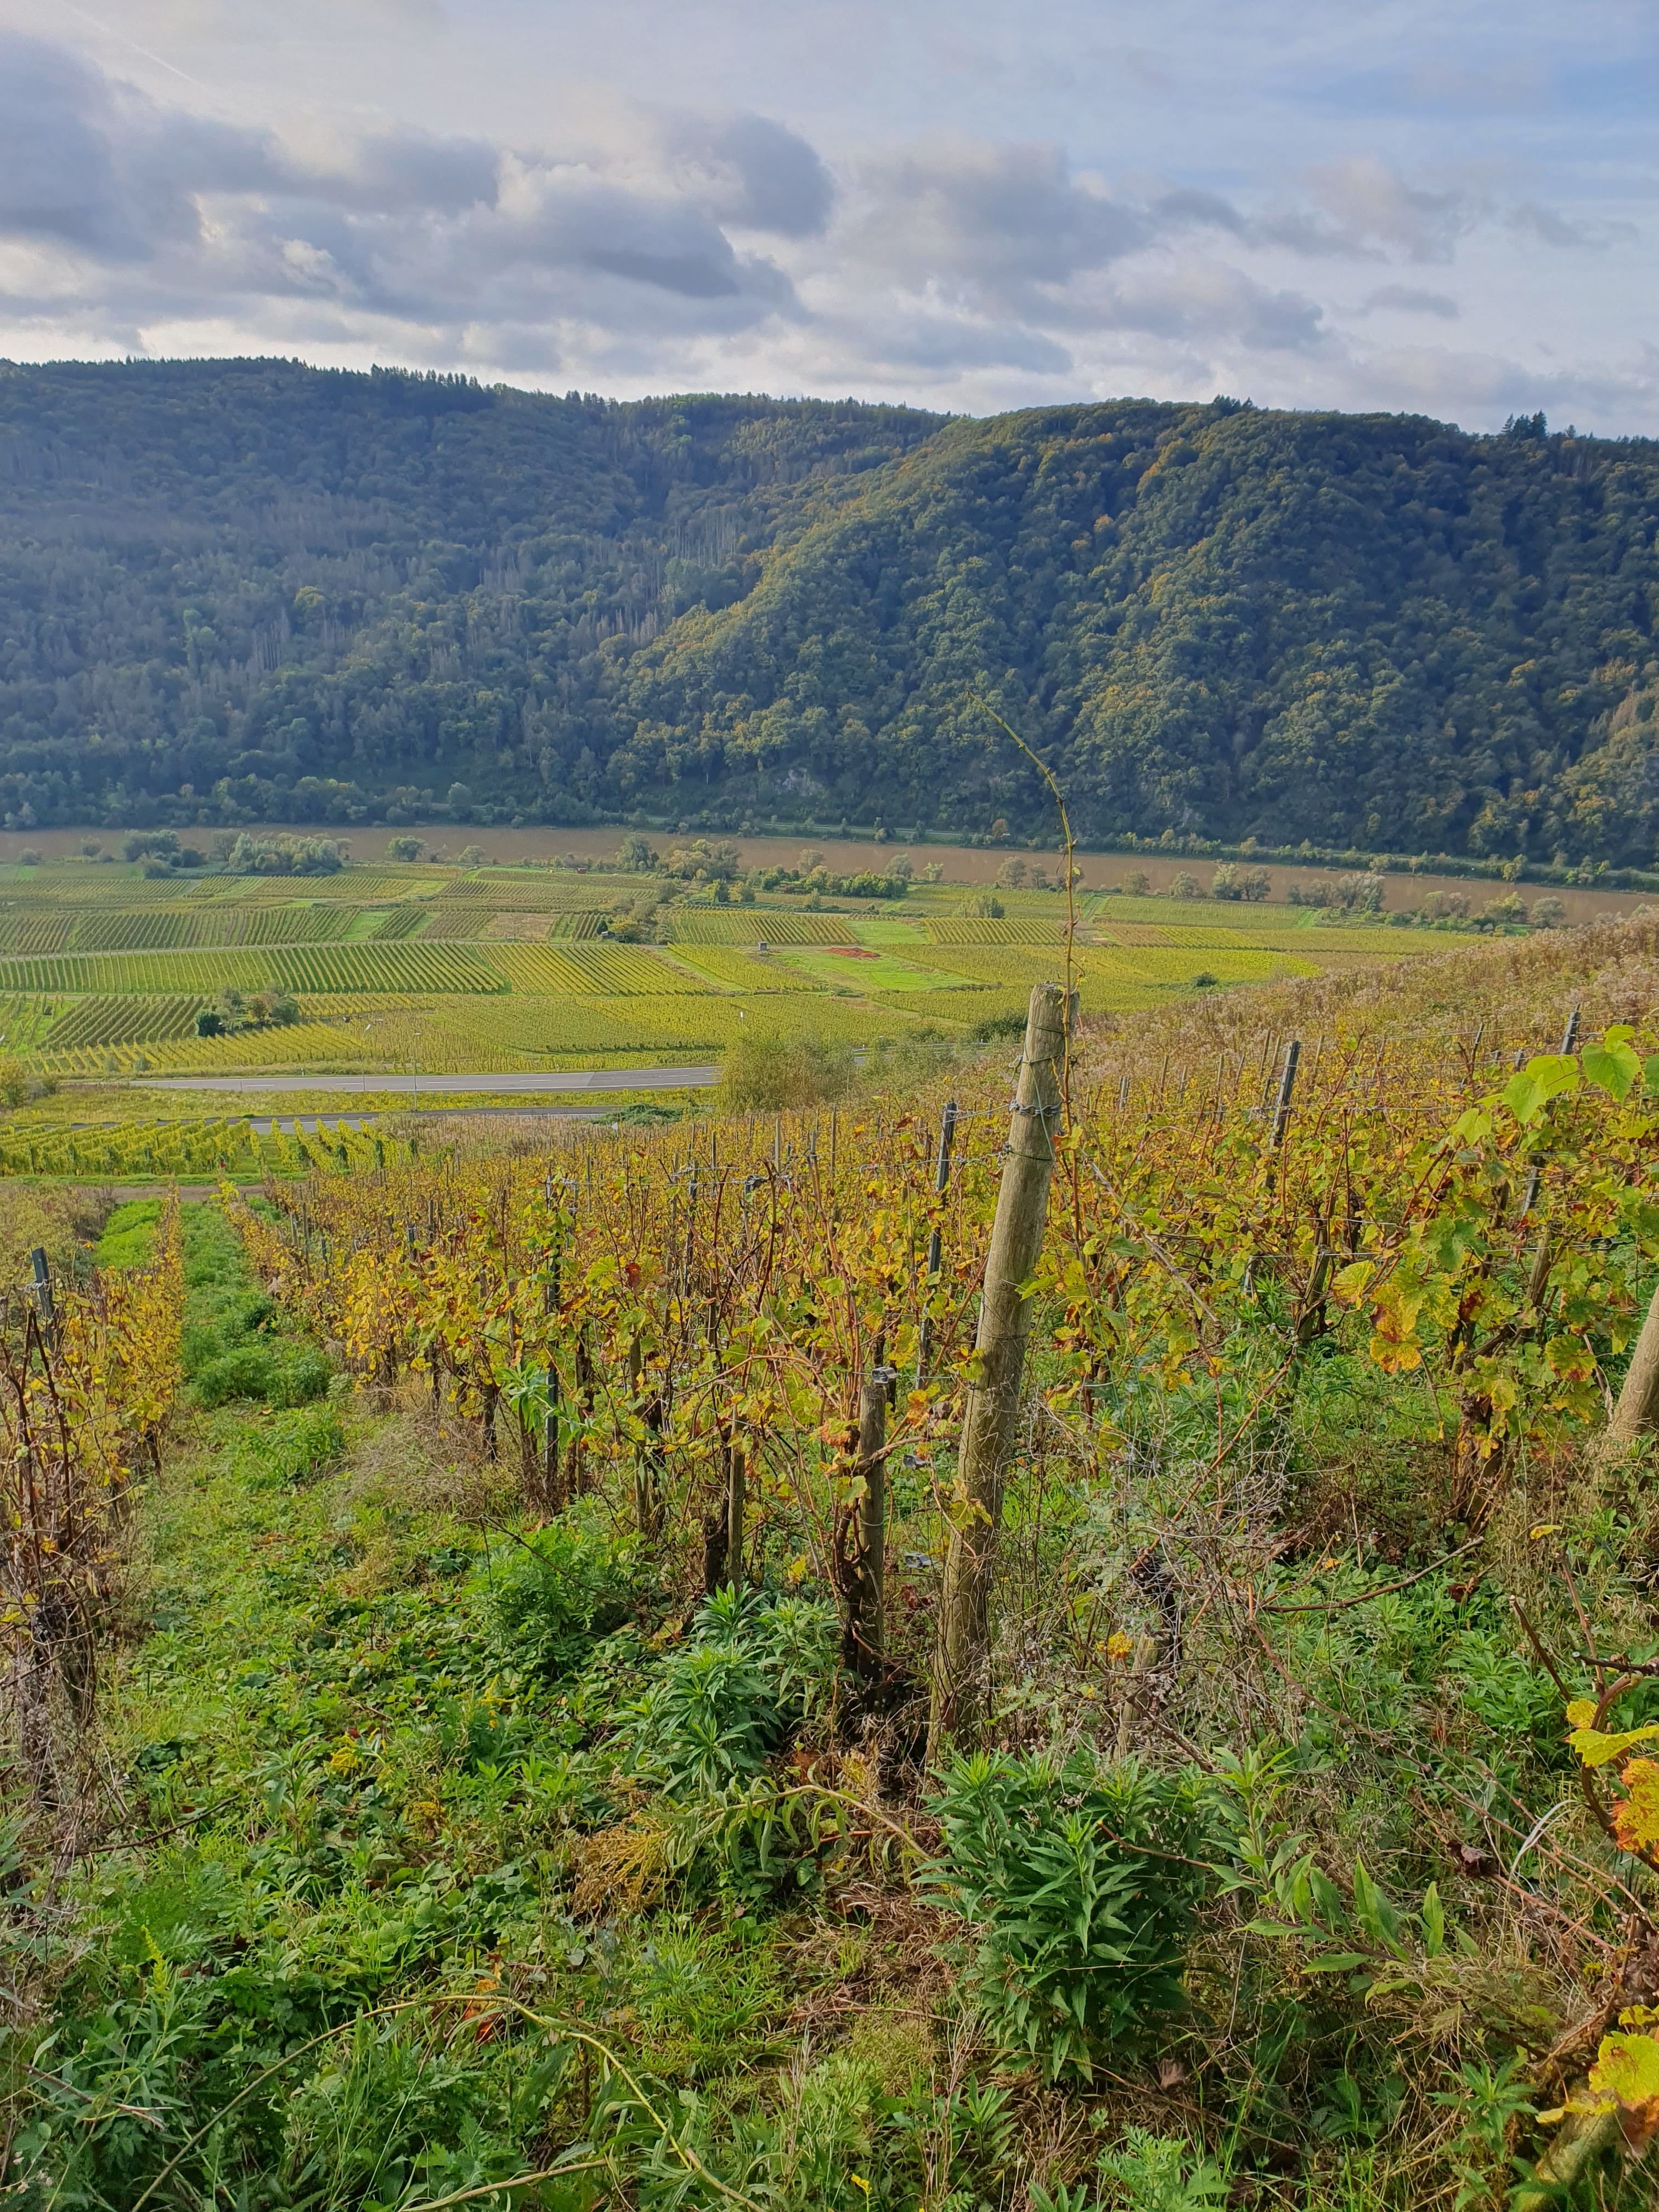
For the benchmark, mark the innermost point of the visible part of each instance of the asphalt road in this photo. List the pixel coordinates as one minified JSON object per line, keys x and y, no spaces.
{"x":434,"y":1086}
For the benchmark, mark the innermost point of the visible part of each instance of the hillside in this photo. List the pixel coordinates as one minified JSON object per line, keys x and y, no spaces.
{"x":234,"y":590}
{"x":579,"y":1670}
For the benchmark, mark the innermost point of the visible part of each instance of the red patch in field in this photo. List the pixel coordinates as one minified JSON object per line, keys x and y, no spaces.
{"x":852,"y":953}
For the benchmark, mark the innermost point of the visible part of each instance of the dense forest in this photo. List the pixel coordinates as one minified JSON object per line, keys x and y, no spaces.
{"x":243,"y":591}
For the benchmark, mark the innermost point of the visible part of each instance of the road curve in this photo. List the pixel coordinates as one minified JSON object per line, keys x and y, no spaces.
{"x":432,"y":1087}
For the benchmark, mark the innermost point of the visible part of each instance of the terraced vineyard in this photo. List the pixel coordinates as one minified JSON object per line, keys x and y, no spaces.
{"x":106,"y":971}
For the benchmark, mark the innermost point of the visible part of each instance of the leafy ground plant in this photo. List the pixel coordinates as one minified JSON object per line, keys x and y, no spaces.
{"x":1081,"y":1885}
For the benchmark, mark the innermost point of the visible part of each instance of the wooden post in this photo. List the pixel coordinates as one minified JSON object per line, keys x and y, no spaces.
{"x":960,"y":1686}
{"x":947,"y":1130}
{"x":1637,"y":1409}
{"x":40,"y":1290}
{"x":736,"y":1489}
{"x":872,"y":1521}
{"x":861,"y":1560}
{"x":1286,"y":1089}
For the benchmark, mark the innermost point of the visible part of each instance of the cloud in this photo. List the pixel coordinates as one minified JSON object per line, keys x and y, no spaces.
{"x":991,"y":225}
{"x":632,"y":246}
{"x":1550,"y":227}
{"x":751,"y":173}
{"x":1407,"y":300}
{"x":1209,"y":302}
{"x":160,"y":211}
{"x":84,"y":162}
{"x":1374,"y":209}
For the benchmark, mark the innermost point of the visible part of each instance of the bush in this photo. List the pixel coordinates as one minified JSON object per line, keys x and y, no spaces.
{"x":768,"y":1074}
{"x":560,"y":1591}
{"x":752,"y":1669}
{"x":276,"y":1373}
{"x":261,"y":854}
{"x":1078,"y":1883}
{"x":1360,"y":893}
{"x":1502,"y":913}
{"x":1184,"y":886}
{"x":301,"y":1445}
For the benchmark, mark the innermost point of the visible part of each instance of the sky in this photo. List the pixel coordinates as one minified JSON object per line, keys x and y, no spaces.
{"x":1447,"y":209}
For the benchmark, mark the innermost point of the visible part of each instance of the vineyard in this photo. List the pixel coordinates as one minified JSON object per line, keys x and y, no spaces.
{"x":1089,"y":1652}
{"x":196,"y":1149}
{"x":453,"y":968}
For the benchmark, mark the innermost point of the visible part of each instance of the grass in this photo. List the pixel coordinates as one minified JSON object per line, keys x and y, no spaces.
{"x":859,"y":969}
{"x":236,"y":1344}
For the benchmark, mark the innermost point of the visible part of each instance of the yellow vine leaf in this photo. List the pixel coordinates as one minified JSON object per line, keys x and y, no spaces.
{"x":1624,"y":2079}
{"x":1598,"y":1747}
{"x":1635,"y":1818}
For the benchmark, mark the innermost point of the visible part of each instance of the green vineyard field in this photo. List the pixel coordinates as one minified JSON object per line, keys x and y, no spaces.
{"x":759,"y":925}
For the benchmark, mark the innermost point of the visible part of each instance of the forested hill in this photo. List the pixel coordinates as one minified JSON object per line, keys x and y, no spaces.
{"x":245,"y":590}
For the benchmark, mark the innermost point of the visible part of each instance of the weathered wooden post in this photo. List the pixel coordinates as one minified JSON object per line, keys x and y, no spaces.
{"x":947,"y":1131}
{"x":960,"y":1683}
{"x":1637,"y":1412}
{"x":40,"y":1291}
{"x":860,"y":1570}
{"x":872,"y":1521}
{"x":737,"y":1485}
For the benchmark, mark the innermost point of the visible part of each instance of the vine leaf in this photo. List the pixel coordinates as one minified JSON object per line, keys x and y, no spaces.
{"x":1635,"y":1818}
{"x":1597,"y":1746}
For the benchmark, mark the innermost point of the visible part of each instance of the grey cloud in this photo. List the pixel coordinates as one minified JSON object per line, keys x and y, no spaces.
{"x":445,"y":233}
{"x":694,"y":276}
{"x":1406,"y":300}
{"x":753,"y":172}
{"x":1552,"y":229}
{"x":84,"y":162}
{"x":948,"y":344}
{"x":990,"y":224}
{"x":1190,"y":209}
{"x":411,"y":169}
{"x":1211,"y":303}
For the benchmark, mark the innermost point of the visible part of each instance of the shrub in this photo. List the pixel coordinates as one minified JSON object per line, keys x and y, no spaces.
{"x":1079,"y":1884}
{"x":560,"y":1591}
{"x":1447,"y":906}
{"x":1548,"y":912}
{"x":1184,"y":886}
{"x":267,"y":1370}
{"x":769,"y":1074}
{"x":752,"y":1669}
{"x":302,"y":1444}
{"x":1501,"y":913}
{"x":1360,"y":893}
